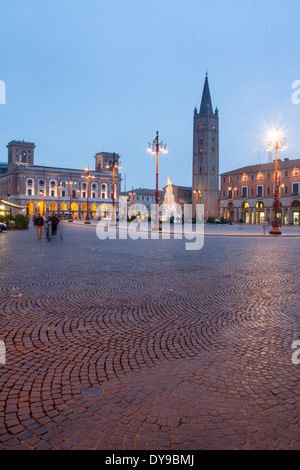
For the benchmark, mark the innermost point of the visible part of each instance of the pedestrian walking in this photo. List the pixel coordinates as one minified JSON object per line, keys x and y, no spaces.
{"x":47,"y":228}
{"x":54,"y":224}
{"x":39,"y":222}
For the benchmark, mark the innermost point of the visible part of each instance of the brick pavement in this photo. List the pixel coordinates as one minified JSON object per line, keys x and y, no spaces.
{"x":142,"y":345}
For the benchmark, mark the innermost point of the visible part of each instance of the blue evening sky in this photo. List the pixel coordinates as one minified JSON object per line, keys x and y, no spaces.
{"x":85,"y":76}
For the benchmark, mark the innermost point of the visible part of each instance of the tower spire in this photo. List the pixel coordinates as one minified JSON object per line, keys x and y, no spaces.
{"x":206,"y":102}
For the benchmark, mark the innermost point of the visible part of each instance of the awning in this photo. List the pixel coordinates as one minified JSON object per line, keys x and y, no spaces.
{"x":10,"y":204}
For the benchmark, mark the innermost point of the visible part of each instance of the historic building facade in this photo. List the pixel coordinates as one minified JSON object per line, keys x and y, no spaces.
{"x":248,"y":193}
{"x":45,"y":189}
{"x":182,"y":195}
{"x":140,"y":201}
{"x":205,"y":181}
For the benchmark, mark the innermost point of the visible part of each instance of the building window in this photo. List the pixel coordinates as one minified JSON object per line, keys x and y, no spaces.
{"x":259,"y":190}
{"x":260,"y":176}
{"x":52,"y":192}
{"x":224,"y":179}
{"x":286,"y":173}
{"x":252,"y":191}
{"x":52,"y":184}
{"x":103,"y":195}
{"x":244,"y":177}
{"x":224,"y":194}
{"x":252,"y":177}
{"x":93,"y":195}
{"x":296,"y":172}
{"x":84,"y":194}
{"x":295,"y":191}
{"x":29,"y":192}
{"x":41,"y":183}
{"x":268,"y":175}
{"x":285,"y":190}
{"x":237,"y":178}
{"x":268,"y":191}
{"x":244,"y":192}
{"x":237,"y":193}
{"x":63,"y":193}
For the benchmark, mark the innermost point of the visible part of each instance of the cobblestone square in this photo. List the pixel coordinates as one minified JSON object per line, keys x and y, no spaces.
{"x":141,"y":344}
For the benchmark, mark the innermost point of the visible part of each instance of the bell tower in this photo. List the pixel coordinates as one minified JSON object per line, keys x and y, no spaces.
{"x":20,"y":153}
{"x":205,"y":186}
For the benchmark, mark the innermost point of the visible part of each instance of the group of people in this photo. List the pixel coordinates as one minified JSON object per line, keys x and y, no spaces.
{"x":50,"y":222}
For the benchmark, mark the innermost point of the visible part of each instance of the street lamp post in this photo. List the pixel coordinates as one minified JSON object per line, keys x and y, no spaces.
{"x":70,"y":189}
{"x":42,"y":193}
{"x":276,"y":143}
{"x":87,"y":176}
{"x":232,"y":189}
{"x":58,"y":189}
{"x":79,"y":204}
{"x":113,"y":165}
{"x":156,"y":147}
{"x":131,"y":194}
{"x":198,"y":194}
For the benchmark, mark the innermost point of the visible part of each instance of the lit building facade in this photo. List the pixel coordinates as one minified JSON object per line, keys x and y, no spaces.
{"x":247,"y":193}
{"x":46,"y":190}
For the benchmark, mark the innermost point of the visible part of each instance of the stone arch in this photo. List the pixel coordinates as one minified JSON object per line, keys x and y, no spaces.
{"x":30,"y":209}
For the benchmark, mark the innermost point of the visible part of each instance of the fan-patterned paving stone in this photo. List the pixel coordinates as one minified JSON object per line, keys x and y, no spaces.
{"x":123,"y":344}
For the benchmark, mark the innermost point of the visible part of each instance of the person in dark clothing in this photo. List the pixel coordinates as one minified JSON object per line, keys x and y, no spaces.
{"x":39,"y":222}
{"x":54,"y":224}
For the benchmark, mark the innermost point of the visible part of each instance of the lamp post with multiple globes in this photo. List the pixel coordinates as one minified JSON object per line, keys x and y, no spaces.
{"x":277,"y":143}
{"x":198,"y":194}
{"x":113,"y":165}
{"x":155,"y":147}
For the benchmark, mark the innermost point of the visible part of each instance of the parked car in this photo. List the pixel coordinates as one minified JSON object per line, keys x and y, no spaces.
{"x":2,"y":227}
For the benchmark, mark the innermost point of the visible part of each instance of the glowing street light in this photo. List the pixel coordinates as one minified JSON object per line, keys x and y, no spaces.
{"x":277,"y":143}
{"x":232,"y":189}
{"x":198,"y":194}
{"x":156,"y":147}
